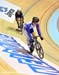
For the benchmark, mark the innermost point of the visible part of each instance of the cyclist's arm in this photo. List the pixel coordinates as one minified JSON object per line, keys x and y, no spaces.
{"x":38,"y":31}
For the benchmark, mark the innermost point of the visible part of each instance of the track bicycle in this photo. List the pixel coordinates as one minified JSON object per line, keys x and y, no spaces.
{"x":38,"y":47}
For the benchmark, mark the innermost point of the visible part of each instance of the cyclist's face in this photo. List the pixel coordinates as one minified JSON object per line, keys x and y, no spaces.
{"x":35,"y":23}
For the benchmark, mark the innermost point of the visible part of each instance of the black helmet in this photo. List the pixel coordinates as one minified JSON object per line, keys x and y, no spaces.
{"x":35,"y":19}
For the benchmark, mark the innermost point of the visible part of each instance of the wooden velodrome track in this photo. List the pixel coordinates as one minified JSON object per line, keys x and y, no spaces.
{"x":43,"y":9}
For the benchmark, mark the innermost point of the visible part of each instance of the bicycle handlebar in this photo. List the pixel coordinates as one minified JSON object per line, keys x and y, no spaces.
{"x":37,"y":37}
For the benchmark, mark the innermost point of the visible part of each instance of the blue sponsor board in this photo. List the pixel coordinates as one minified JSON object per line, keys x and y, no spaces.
{"x":36,"y":65}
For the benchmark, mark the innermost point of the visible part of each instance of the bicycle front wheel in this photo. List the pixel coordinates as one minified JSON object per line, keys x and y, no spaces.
{"x":39,"y":50}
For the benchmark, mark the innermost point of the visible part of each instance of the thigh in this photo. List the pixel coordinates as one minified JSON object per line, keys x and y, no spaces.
{"x":25,"y":34}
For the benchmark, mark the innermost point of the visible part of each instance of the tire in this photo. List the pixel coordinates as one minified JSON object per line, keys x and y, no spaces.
{"x":39,"y":50}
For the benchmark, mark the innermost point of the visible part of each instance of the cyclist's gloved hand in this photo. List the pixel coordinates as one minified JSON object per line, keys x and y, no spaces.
{"x":41,"y":38}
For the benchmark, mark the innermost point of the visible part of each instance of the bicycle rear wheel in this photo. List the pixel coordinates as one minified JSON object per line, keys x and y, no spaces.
{"x":39,"y":50}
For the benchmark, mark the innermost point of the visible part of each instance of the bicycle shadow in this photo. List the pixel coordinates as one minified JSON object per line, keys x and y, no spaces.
{"x":25,"y":52}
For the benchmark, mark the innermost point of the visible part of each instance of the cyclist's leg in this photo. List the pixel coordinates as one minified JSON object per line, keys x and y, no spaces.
{"x":30,"y":44}
{"x":31,"y":47}
{"x":21,"y":24}
{"x":18,"y":22}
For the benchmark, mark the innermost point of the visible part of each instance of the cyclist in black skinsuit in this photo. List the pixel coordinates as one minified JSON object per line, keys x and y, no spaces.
{"x":19,"y":19}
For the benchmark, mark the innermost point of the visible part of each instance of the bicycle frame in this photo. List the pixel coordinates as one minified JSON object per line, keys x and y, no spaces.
{"x":35,"y":43}
{"x":38,"y":48}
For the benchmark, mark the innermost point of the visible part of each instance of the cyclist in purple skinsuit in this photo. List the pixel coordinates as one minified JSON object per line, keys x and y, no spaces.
{"x":29,"y":31}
